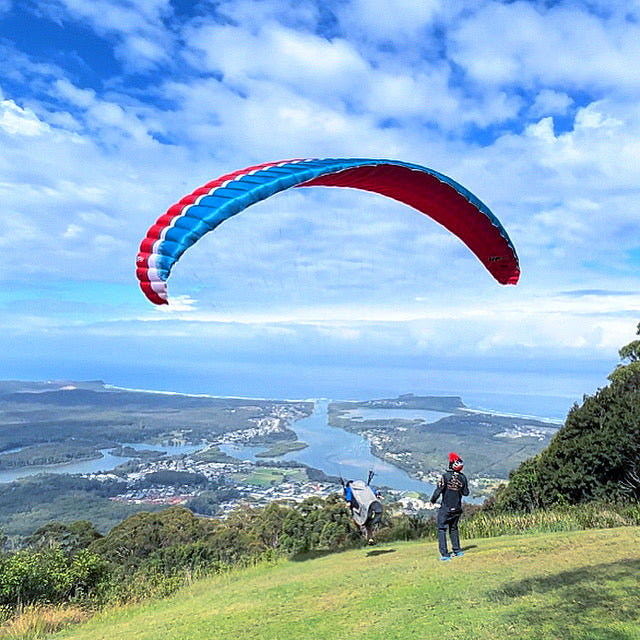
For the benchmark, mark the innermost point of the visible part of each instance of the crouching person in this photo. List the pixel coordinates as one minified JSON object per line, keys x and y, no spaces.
{"x":365,"y":505}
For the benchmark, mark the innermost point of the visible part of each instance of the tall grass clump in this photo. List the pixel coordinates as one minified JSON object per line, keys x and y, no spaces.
{"x":37,"y":621}
{"x":488,"y":524}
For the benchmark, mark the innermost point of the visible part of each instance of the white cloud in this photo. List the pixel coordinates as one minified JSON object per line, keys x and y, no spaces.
{"x":542,"y":130}
{"x":118,"y":16}
{"x":549,"y":102}
{"x":73,"y":231}
{"x":528,"y":328}
{"x":563,"y":43}
{"x":307,"y":63}
{"x":178,"y":305}
{"x":389,"y":20}
{"x":17,"y":121}
{"x":83,"y":98}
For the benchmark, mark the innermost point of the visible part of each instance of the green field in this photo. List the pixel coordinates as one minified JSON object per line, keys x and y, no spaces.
{"x":570,"y":585}
{"x":265,"y":476}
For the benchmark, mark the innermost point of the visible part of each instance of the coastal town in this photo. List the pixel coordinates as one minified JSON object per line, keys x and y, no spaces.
{"x":259,"y":483}
{"x":287,"y":491}
{"x":253,"y":483}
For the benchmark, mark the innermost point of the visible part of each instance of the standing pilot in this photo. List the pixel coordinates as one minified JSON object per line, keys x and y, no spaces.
{"x":451,"y":486}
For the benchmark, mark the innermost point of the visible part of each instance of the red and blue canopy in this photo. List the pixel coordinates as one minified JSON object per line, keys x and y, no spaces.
{"x":428,"y":191}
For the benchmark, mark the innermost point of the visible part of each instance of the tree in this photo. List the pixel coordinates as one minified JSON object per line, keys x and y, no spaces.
{"x":143,"y":533}
{"x":268,"y":527}
{"x":71,"y":538}
{"x":594,"y":455}
{"x":627,"y":374}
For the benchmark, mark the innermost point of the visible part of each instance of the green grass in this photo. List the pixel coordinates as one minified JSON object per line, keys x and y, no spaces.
{"x":571,"y":585}
{"x":265,"y":476}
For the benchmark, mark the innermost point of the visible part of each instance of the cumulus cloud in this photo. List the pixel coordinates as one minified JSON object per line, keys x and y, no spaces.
{"x":550,"y":102}
{"x":389,"y":21}
{"x":587,"y":50}
{"x":17,"y":121}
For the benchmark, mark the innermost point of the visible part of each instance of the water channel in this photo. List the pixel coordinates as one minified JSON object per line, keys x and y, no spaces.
{"x":108,"y":462}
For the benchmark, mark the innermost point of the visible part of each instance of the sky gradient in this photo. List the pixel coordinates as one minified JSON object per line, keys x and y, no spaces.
{"x":111,"y":111}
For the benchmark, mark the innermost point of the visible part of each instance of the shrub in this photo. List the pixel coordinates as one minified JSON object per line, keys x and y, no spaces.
{"x":48,"y":576}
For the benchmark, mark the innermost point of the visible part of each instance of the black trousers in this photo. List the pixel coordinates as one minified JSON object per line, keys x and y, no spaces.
{"x":448,"y":520}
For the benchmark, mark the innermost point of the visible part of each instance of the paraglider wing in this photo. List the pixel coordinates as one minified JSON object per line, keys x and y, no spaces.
{"x":428,"y":191}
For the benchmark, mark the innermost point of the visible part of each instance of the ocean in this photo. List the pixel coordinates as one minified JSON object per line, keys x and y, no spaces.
{"x":545,"y":394}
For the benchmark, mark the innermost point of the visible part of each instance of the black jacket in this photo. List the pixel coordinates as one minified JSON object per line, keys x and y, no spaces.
{"x":451,"y":486}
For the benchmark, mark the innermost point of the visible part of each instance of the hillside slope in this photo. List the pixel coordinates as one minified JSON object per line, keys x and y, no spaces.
{"x":579,"y":585}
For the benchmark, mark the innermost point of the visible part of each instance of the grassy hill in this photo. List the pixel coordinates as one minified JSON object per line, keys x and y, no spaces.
{"x":573,"y":585}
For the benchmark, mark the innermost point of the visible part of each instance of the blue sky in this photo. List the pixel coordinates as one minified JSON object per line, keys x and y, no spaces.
{"x":110,"y":111}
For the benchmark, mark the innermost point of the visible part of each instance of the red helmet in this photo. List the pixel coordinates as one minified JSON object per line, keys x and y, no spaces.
{"x":456,"y":463}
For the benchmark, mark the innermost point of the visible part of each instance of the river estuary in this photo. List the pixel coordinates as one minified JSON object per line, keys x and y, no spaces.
{"x":341,"y":453}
